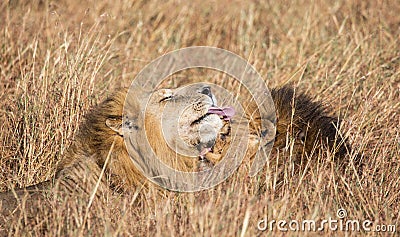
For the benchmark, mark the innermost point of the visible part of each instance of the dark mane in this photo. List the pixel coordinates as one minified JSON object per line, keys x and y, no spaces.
{"x":309,"y":120}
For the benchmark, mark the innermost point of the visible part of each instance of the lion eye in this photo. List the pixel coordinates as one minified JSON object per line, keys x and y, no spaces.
{"x":165,"y":95}
{"x":169,"y":97}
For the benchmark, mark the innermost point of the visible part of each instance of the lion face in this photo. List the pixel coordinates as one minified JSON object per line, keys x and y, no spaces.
{"x":187,"y":117}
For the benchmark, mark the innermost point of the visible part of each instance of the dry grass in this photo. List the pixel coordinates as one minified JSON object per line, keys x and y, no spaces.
{"x":58,"y":58}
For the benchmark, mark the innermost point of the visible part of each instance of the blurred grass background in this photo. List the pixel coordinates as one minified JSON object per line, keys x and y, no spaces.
{"x":59,"y":58}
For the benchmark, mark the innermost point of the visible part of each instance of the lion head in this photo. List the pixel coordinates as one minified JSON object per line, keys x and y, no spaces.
{"x":181,"y":126}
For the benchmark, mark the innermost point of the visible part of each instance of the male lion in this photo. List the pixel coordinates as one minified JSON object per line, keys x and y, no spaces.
{"x":99,"y":153}
{"x":199,"y":125}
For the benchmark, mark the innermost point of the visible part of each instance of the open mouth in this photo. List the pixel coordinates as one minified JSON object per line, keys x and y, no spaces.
{"x":225,"y":113}
{"x":197,"y":121}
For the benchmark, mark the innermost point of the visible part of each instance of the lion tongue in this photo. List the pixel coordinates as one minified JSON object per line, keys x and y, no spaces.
{"x":226,"y":112}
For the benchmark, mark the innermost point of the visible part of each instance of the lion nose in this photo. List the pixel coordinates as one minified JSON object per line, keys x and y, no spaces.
{"x":206,"y":91}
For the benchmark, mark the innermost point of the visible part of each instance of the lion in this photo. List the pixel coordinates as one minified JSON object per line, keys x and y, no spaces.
{"x":102,"y":131}
{"x":98,"y":160}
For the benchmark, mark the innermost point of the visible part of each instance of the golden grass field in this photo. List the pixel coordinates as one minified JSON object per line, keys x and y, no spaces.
{"x":60,"y":58}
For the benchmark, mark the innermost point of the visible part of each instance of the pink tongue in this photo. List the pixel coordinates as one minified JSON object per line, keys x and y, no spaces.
{"x":226,"y":112}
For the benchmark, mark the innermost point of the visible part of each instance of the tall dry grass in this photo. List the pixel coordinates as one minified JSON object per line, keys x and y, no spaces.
{"x":59,"y":58}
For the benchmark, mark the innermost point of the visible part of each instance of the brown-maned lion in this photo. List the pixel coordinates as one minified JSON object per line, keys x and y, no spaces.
{"x":97,"y":161}
{"x":101,"y":135}
{"x":100,"y":144}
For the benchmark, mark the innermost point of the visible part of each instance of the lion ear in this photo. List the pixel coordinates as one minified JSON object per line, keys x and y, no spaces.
{"x":115,"y":125}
